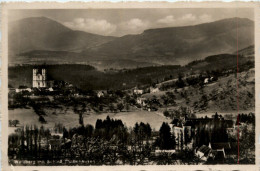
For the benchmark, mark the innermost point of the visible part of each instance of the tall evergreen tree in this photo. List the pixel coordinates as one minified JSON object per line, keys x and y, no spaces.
{"x":165,"y":139}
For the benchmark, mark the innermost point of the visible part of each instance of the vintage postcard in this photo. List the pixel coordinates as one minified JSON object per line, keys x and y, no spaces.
{"x":130,"y":86}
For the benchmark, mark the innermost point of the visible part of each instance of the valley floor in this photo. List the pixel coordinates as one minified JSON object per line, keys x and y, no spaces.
{"x":69,"y":120}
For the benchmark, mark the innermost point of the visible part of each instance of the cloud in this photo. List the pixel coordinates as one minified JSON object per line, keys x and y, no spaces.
{"x":184,"y":20}
{"x":205,"y":18}
{"x":188,"y":17}
{"x":167,"y":20}
{"x":90,"y":25}
{"x":134,"y":26}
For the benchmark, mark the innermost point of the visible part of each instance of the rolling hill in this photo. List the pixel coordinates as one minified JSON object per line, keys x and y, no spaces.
{"x":160,"y":46}
{"x":43,"y":34}
{"x":87,"y":77}
{"x":180,"y":45}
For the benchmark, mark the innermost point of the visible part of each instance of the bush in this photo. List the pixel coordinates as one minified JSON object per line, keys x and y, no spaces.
{"x":166,"y":113}
{"x":42,"y":120}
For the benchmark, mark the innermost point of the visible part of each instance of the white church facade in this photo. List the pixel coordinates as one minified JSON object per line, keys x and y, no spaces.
{"x":39,"y":78}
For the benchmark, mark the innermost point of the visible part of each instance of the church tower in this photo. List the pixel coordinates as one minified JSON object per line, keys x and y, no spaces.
{"x":39,"y":78}
{"x":35,"y":71}
{"x":43,"y":77}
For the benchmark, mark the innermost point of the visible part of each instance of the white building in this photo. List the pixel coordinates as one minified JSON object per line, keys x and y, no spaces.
{"x":39,"y":78}
{"x":206,"y":80}
{"x":18,"y":90}
{"x":100,"y":94}
{"x":154,"y":90}
{"x":138,"y":91}
{"x":141,"y":101}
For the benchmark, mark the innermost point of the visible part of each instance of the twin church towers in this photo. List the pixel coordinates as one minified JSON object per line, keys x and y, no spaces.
{"x":39,"y":78}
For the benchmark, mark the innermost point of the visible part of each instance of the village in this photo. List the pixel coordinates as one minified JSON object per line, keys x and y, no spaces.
{"x":185,"y":138}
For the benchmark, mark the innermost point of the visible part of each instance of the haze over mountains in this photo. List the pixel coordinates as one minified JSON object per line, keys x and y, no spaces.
{"x":40,"y":39}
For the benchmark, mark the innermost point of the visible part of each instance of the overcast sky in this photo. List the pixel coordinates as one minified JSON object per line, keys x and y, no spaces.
{"x":119,"y":22}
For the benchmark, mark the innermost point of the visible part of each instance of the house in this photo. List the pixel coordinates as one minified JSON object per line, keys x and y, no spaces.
{"x":141,"y":101}
{"x":178,"y":132}
{"x":100,"y":94}
{"x":206,"y":80}
{"x":154,"y":89}
{"x":204,"y":152}
{"x":188,"y":125}
{"x":21,"y":89}
{"x":138,"y":91}
{"x":56,"y":134}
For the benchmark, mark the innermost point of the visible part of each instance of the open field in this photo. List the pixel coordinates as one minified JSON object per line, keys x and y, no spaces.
{"x":68,"y":119}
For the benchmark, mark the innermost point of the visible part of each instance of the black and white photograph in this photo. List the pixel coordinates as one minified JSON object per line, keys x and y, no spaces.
{"x":131,"y":86}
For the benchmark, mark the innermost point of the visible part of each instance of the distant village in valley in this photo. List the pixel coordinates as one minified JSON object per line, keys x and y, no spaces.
{"x":184,"y":137}
{"x":139,"y":86}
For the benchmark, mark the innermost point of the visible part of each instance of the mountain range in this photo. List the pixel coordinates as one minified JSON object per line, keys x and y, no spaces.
{"x":40,"y":39}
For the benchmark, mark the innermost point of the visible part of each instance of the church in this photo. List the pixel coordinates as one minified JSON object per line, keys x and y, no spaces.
{"x":39,"y":78}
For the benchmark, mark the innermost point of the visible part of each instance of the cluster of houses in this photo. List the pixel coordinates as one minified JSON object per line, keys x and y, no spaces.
{"x":214,"y":150}
{"x":40,"y":83}
{"x":151,"y":89}
{"x":208,"y":80}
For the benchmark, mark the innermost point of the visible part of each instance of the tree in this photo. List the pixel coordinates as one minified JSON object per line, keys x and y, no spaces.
{"x":15,"y":122}
{"x":65,"y":133}
{"x":181,"y":140}
{"x":180,"y":83}
{"x":127,"y":107}
{"x":165,"y":139}
{"x":247,"y":145}
{"x":10,"y":123}
{"x":112,"y":108}
{"x":166,"y":113}
{"x":99,"y":123}
{"x":120,"y":106}
{"x":80,"y":108}
{"x":42,"y":120}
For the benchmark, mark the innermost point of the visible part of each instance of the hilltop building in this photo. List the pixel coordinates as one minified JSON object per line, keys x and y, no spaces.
{"x":39,"y":78}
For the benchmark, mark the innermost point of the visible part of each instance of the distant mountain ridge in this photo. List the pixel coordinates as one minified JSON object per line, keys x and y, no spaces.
{"x":171,"y":46}
{"x":41,"y":33}
{"x":180,"y":45}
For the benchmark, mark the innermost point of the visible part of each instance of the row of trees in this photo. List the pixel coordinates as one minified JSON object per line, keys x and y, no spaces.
{"x":192,"y":80}
{"x":110,"y":142}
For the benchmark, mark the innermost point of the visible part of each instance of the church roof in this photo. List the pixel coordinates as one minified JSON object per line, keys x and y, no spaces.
{"x":204,"y":149}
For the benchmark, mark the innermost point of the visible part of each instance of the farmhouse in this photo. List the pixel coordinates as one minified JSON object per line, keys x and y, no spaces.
{"x":23,"y":88}
{"x":141,"y":101}
{"x":154,"y":89}
{"x":206,"y":80}
{"x":138,"y":91}
{"x":100,"y":94}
